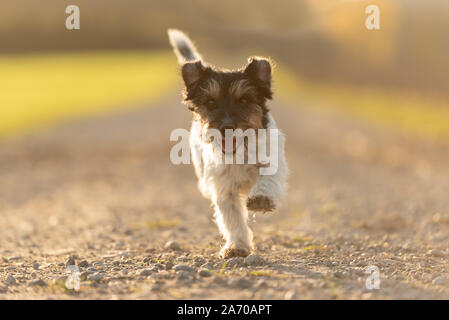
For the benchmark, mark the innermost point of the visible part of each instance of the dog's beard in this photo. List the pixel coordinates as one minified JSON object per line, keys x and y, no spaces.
{"x":238,"y":151}
{"x":235,"y":146}
{"x":220,"y":146}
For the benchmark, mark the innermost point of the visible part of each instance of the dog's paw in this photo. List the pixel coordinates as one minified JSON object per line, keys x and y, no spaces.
{"x":227,"y":253}
{"x":260,"y":203}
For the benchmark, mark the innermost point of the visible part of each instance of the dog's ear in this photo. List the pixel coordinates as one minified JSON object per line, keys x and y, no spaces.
{"x":259,"y":70}
{"x":192,"y":73}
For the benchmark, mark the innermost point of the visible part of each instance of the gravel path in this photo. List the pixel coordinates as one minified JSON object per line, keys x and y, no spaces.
{"x":102,"y":194}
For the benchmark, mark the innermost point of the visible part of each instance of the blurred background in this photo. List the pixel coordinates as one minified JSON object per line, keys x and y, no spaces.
{"x":396,"y":77}
{"x":85,"y":121}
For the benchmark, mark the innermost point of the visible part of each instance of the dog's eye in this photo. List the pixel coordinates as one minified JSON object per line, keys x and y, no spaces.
{"x":211,"y":103}
{"x":243,"y":100}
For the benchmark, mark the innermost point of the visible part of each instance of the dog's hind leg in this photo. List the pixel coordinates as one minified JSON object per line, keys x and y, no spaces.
{"x":232,"y":220}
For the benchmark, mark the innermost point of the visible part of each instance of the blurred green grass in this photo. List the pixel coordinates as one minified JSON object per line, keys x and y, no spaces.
{"x":39,"y":90}
{"x":409,"y":114}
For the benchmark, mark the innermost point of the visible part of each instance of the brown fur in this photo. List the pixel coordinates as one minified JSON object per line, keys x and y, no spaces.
{"x":260,"y":204}
{"x":234,"y":98}
{"x":222,"y":99}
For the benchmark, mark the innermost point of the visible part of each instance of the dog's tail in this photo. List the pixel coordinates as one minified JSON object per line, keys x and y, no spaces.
{"x":183,"y":46}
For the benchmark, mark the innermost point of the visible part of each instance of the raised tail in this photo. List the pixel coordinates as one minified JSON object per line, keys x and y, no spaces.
{"x":183,"y":46}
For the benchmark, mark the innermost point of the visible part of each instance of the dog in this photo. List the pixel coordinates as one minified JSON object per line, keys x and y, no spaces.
{"x":226,"y":100}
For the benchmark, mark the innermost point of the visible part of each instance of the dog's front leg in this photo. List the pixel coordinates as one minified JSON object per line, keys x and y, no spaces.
{"x":269,"y":189}
{"x":232,"y":220}
{"x":265,"y":194}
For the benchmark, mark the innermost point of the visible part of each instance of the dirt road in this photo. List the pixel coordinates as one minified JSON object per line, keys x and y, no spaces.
{"x":103,"y":195}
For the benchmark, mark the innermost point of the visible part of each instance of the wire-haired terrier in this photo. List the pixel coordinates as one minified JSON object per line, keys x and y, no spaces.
{"x":226,"y":101}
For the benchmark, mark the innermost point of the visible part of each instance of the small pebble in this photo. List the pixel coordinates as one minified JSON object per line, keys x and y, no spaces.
{"x":254,"y":260}
{"x":219,"y":280}
{"x":95,"y":277}
{"x":172,"y":245}
{"x":240,"y":283}
{"x":205,"y":273}
{"x":209,"y":266}
{"x":145,"y":272}
{"x":338,"y":275}
{"x":234,"y":262}
{"x":435,"y":253}
{"x":182,"y":259}
{"x":14,"y":258}
{"x":83,"y":264}
{"x":38,"y":282}
{"x":10,"y":279}
{"x":183,"y":275}
{"x":155,"y":270}
{"x":156,"y":287}
{"x":198,"y":261}
{"x":439,"y":281}
{"x":70,"y":262}
{"x":159,"y":266}
{"x":183,"y":267}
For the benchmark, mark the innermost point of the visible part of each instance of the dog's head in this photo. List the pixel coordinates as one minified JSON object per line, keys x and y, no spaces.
{"x":229,"y":99}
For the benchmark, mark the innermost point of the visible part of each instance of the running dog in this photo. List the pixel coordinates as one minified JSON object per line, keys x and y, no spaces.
{"x":224,"y":101}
